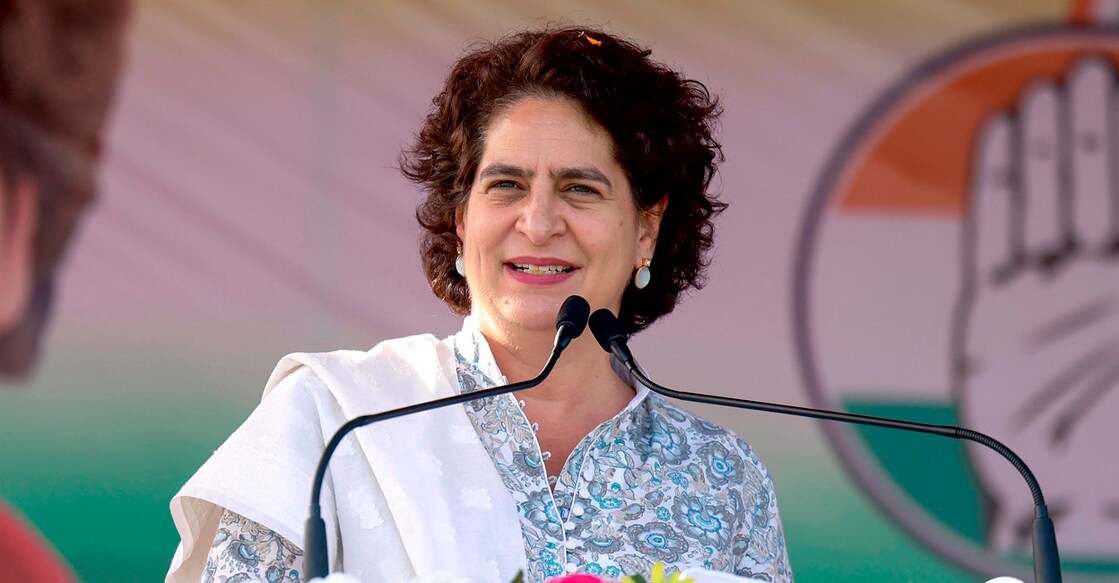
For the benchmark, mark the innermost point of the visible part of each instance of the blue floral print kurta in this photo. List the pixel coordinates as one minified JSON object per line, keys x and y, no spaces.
{"x":654,"y":483}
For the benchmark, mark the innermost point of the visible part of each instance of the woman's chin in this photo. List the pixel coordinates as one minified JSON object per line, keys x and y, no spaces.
{"x":532,"y":314}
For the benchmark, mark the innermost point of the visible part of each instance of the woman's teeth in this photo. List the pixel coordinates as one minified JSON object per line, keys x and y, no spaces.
{"x":541,"y":269}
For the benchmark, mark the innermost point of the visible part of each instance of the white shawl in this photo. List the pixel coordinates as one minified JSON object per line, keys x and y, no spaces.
{"x":410,"y":497}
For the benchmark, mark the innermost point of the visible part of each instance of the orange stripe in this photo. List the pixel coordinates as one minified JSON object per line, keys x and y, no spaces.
{"x":919,"y":158}
{"x":1080,"y":13}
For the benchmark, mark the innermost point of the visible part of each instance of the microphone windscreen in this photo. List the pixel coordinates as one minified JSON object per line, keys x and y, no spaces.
{"x":606,"y":327}
{"x":573,"y":313}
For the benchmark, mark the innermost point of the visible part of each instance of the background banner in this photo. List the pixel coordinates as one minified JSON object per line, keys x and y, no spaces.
{"x":923,"y":223}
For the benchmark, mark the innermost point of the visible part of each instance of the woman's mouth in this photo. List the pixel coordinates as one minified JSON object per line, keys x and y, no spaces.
{"x":539,"y":270}
{"x":532,"y":269}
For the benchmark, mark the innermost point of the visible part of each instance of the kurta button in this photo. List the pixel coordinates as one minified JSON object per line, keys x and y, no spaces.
{"x":569,"y":525}
{"x":577,"y":509}
{"x":571,"y":567}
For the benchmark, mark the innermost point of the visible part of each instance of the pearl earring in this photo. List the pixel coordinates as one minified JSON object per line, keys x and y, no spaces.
{"x":642,"y":276}
{"x":460,"y":263}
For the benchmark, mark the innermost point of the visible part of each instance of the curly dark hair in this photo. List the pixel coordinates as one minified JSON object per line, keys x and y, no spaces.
{"x":661,"y":123}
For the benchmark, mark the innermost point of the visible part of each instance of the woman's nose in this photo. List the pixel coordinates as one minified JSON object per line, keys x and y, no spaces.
{"x":541,"y":217}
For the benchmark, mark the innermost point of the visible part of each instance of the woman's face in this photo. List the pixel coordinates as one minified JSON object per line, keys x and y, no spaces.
{"x":550,"y":214}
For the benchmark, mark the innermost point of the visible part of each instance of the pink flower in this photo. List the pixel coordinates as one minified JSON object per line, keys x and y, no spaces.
{"x":577,"y":578}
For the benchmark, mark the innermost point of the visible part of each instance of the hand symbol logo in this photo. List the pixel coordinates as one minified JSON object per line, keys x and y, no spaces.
{"x":1013,"y":141}
{"x":1037,"y":330}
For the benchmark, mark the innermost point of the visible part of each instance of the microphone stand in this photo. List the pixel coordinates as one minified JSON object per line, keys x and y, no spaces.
{"x":571,"y":322}
{"x":1047,"y":564}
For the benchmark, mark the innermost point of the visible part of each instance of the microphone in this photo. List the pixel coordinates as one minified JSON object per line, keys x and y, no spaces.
{"x":570,"y":323}
{"x":1047,"y":565}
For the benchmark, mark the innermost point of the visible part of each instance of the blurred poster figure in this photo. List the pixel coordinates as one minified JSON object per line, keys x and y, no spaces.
{"x":59,"y":62}
{"x":960,"y":265}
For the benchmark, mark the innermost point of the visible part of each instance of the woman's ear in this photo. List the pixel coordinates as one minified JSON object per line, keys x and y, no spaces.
{"x":650,"y":226}
{"x":460,"y":222}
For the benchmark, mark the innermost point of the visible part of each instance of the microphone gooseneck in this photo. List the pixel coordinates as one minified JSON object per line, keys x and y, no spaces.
{"x":1047,"y":565}
{"x":570,"y":323}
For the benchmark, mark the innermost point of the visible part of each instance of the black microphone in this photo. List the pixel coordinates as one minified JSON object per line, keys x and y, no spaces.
{"x":1047,"y":564}
{"x":570,"y":323}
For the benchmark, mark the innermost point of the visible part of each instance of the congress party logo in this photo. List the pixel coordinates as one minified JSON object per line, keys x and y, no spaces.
{"x":959,"y":264}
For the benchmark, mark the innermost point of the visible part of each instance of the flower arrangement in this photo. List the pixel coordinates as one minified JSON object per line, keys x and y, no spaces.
{"x":657,"y":575}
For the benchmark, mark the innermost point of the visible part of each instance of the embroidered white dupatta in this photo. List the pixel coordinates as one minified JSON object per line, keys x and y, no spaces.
{"x":410,"y":497}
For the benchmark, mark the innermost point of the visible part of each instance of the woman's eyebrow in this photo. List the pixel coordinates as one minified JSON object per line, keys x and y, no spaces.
{"x":499,"y":169}
{"x":583,"y":173}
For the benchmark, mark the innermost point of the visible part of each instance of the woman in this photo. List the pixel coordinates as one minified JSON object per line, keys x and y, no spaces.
{"x":555,"y":162}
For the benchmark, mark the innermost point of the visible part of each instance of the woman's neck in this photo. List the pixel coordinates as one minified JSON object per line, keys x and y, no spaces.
{"x":581,"y":392}
{"x":582,"y":375}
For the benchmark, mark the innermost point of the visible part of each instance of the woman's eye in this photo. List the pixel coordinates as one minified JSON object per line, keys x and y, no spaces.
{"x":582,"y":188}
